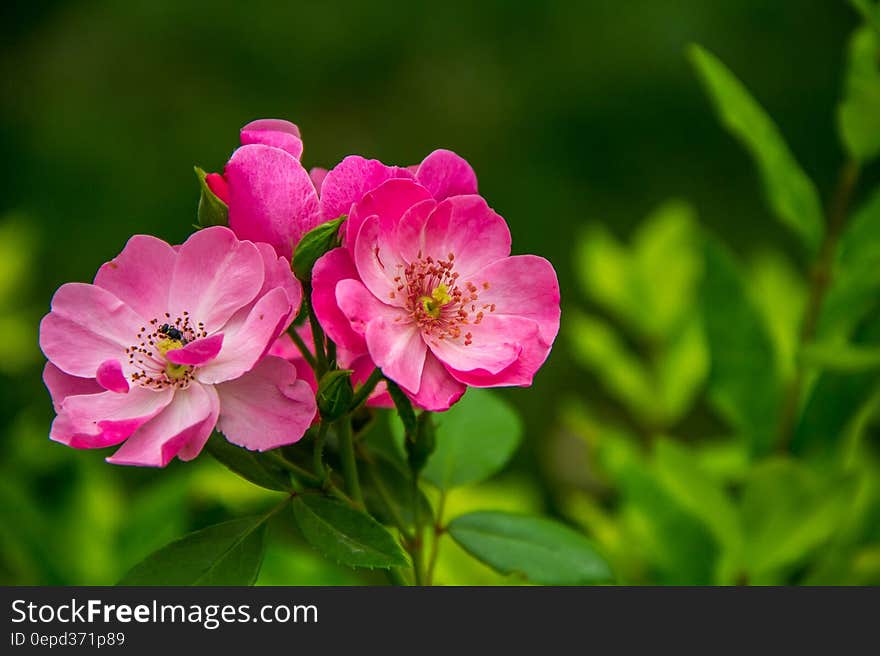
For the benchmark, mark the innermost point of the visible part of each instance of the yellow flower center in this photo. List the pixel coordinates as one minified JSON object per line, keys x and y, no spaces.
{"x":172,"y":370}
{"x":434,"y":303}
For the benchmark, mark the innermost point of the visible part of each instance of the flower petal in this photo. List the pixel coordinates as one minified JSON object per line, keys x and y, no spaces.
{"x":445,"y":174}
{"x":318,"y":175}
{"x":468,"y":228}
{"x":389,"y":201}
{"x":284,"y":348}
{"x":140,"y":275}
{"x":379,"y":265}
{"x":215,"y":275}
{"x":360,"y":306}
{"x":62,"y":385}
{"x":87,"y":325}
{"x":519,"y":373}
{"x":398,"y":350}
{"x":271,"y":197}
{"x":217,"y":184}
{"x":181,"y":428}
{"x":93,"y":421}
{"x":273,"y":132}
{"x":198,"y":351}
{"x":278,"y":274}
{"x":247,"y":339}
{"x":524,"y":286}
{"x":438,"y":389}
{"x":362,"y":366}
{"x":495,"y":343}
{"x":330,"y":268}
{"x":111,"y":377}
{"x":350,"y":180}
{"x":267,"y":407}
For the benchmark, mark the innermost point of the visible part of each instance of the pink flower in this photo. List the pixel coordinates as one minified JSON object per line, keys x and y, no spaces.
{"x":168,"y":343}
{"x":428,"y":290}
{"x":270,"y":196}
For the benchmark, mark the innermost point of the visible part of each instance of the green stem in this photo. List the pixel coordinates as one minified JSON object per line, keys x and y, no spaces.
{"x":349,"y":466}
{"x":318,"y":452}
{"x":820,"y":281}
{"x":396,"y":577}
{"x":301,"y":345}
{"x":305,"y":476}
{"x":418,"y":542}
{"x":439,"y":530}
{"x":321,"y":365}
{"x":364,"y":391}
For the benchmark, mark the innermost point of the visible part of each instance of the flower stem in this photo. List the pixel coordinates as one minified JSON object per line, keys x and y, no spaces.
{"x":318,"y":452}
{"x":439,"y":529}
{"x":820,"y":281}
{"x":349,"y":466}
{"x":321,"y":365}
{"x":301,"y":345}
{"x":364,"y":391}
{"x":305,"y":476}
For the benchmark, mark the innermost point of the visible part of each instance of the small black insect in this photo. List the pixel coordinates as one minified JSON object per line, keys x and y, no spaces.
{"x":171,"y":332}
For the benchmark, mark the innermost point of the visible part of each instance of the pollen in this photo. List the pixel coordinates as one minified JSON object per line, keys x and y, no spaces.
{"x":148,"y":356}
{"x":438,"y":301}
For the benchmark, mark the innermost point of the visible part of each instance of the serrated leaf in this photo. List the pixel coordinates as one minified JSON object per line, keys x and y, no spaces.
{"x":474,"y":439}
{"x":224,"y":554}
{"x":313,"y":245}
{"x":346,"y":535}
{"x":212,"y":211}
{"x":545,"y":551}
{"x":743,"y":383}
{"x":790,"y":192}
{"x":859,"y":113}
{"x":250,"y":465}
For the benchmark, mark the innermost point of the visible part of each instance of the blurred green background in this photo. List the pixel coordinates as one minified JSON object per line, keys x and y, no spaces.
{"x":581,"y":118}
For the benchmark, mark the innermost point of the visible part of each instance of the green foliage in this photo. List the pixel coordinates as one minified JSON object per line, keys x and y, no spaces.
{"x":743,"y":383}
{"x":258,"y":468}
{"x":859,"y":113}
{"x":212,"y":211}
{"x":658,"y":371}
{"x":224,"y":554}
{"x":475,"y":439}
{"x":543,"y":551}
{"x":313,"y":245}
{"x":346,"y":535}
{"x":791,"y":194}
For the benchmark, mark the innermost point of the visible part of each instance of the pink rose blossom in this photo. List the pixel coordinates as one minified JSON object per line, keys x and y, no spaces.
{"x":270,"y":196}
{"x":426,"y":287}
{"x":170,"y":342}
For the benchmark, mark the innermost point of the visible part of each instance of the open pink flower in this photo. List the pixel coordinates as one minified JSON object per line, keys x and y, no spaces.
{"x":170,"y":342}
{"x":270,"y":196}
{"x":428,"y":290}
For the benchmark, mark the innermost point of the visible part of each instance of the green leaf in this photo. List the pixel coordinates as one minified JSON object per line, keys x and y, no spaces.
{"x":224,"y":554}
{"x":791,"y":194}
{"x":842,"y":357}
{"x":346,"y":535}
{"x":855,"y":285}
{"x":683,"y":476}
{"x":403,"y":406}
{"x":545,"y":551}
{"x":475,"y":439}
{"x":859,"y":114}
{"x":251,"y":465}
{"x":743,"y":383}
{"x":212,"y":210}
{"x":388,"y":491}
{"x":837,"y":397}
{"x":788,"y":512}
{"x":313,"y":245}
